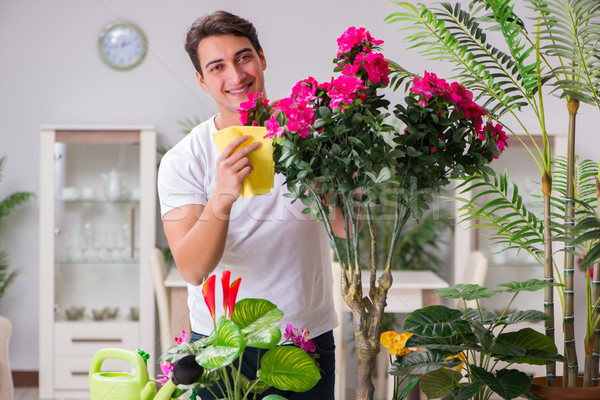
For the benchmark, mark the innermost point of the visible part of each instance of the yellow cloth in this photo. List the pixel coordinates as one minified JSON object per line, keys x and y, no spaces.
{"x":260,"y":180}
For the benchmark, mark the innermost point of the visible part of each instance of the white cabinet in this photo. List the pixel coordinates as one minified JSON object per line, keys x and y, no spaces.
{"x":97,"y":228}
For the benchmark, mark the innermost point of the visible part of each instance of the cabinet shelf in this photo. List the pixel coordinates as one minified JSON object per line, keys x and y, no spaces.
{"x":99,"y":201}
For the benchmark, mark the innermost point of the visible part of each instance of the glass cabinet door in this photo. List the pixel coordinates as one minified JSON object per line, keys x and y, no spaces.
{"x":97,"y":195}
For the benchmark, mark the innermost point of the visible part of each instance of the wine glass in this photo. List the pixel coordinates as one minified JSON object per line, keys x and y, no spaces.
{"x":84,"y":240}
{"x":110,"y":244}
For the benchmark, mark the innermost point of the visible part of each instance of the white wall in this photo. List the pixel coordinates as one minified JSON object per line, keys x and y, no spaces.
{"x":51,"y":74}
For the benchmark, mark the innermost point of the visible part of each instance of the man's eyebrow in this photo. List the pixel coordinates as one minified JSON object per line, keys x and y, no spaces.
{"x":237,"y":53}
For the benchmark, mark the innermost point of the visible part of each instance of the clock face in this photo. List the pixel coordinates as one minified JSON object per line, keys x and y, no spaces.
{"x":122,"y":45}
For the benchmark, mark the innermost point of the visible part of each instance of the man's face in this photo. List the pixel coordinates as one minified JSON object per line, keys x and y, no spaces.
{"x":231,"y":69}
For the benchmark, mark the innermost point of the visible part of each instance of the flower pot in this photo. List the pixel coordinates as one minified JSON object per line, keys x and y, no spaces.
{"x":539,"y":388}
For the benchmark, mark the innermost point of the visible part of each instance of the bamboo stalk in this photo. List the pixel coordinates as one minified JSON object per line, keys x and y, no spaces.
{"x":548,"y":275}
{"x":595,"y":295}
{"x":571,"y":367}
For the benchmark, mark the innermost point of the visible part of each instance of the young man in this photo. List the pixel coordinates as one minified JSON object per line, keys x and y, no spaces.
{"x":281,"y":254}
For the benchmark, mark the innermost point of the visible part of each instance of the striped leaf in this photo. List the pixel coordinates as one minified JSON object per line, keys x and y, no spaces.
{"x":289,"y":368}
{"x":228,"y":345}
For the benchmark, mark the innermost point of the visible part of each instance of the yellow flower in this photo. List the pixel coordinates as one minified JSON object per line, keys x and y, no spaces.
{"x":460,"y":356}
{"x":395,"y":342}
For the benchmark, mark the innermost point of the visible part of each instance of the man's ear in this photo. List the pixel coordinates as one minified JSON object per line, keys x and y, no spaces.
{"x":263,"y":59}
{"x":201,"y":81}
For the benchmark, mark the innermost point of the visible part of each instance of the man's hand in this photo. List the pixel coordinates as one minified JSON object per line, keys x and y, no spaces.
{"x":232,"y":168}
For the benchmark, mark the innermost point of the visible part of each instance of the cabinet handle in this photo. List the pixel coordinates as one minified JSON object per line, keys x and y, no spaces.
{"x":80,"y":373}
{"x":92,"y":340}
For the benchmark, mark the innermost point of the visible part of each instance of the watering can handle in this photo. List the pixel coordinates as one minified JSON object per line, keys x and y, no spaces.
{"x":141,"y":372}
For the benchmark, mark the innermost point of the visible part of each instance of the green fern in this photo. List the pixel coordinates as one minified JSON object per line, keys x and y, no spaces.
{"x":512,"y":223}
{"x":513,"y":34}
{"x":506,"y":214}
{"x":446,"y":33}
{"x":570,"y":30}
{"x":399,"y":76}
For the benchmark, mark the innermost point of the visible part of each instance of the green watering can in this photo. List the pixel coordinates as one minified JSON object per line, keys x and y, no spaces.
{"x":137,"y":385}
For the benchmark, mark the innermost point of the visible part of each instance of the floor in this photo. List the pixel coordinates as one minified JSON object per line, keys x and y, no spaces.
{"x":26,"y":393}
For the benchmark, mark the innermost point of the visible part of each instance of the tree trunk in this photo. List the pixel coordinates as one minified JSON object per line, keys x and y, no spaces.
{"x":367,"y":313}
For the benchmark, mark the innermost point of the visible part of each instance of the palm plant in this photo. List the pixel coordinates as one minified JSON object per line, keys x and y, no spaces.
{"x":7,"y":205}
{"x":560,"y":55}
{"x":504,"y":212}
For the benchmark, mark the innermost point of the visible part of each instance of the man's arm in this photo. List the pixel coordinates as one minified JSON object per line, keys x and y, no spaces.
{"x":196,"y":233}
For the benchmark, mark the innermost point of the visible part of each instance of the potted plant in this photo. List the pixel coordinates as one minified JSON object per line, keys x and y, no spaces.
{"x":7,"y":205}
{"x":7,"y":277}
{"x":341,"y":152}
{"x":560,"y":53}
{"x":469,"y":343}
{"x":248,"y":322}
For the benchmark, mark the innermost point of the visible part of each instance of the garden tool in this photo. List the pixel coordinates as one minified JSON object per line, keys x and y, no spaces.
{"x":137,"y":385}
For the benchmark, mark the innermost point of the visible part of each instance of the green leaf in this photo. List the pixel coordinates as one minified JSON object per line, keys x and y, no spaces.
{"x":266,"y":337}
{"x":436,"y":321}
{"x":466,"y":292}
{"x":439,"y":383}
{"x":538,"y":347}
{"x":228,"y":346}
{"x":466,"y":391}
{"x":522,"y":316}
{"x":288,"y":368}
{"x":384,"y":175}
{"x":410,"y":385}
{"x":254,"y":314}
{"x":422,"y":362}
{"x":530,"y":285}
{"x":508,"y":383}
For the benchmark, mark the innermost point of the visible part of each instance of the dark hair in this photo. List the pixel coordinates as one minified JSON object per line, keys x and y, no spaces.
{"x":217,"y":24}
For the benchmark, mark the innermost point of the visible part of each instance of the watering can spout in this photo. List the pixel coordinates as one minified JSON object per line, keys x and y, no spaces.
{"x":164,"y":393}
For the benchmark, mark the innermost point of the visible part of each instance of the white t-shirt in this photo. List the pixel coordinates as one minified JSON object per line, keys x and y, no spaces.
{"x":281,"y":254}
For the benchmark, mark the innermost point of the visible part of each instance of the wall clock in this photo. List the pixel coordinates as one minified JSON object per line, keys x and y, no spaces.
{"x":122,"y":45}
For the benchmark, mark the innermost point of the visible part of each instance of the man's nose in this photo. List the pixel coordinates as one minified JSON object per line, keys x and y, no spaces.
{"x":237,"y":74}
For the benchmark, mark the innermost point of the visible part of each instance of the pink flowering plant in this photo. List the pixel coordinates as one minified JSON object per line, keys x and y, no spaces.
{"x":340,"y":148}
{"x":286,"y":364}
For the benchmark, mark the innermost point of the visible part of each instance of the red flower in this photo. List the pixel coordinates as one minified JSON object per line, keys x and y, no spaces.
{"x":225,"y":275}
{"x":233,"y":291}
{"x":208,"y":292}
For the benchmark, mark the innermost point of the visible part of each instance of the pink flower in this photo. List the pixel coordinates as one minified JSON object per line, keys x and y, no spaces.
{"x":344,"y":89}
{"x":298,"y":114}
{"x":166,"y":368}
{"x":355,"y":36}
{"x":497,"y":134}
{"x":291,"y":333}
{"x":302,"y":340}
{"x":429,"y":85}
{"x":254,"y":99}
{"x":183,"y":338}
{"x":244,"y":116}
{"x":305,"y":89}
{"x":376,"y":66}
{"x":351,"y":69}
{"x":273,"y":128}
{"x":305,"y":343}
